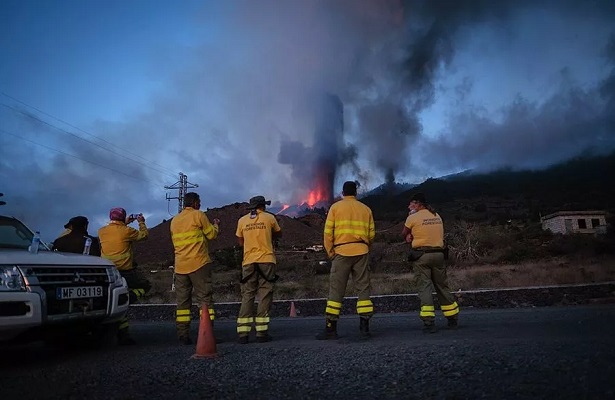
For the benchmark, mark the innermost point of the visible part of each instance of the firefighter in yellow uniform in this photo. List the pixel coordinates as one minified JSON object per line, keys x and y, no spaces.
{"x":190,"y":233}
{"x":255,"y":232}
{"x":116,"y":240}
{"x":349,"y":232}
{"x":424,"y":228}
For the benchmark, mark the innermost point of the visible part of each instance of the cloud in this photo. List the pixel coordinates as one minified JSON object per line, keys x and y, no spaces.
{"x":239,"y":110}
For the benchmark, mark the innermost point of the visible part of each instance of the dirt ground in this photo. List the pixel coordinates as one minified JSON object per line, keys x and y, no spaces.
{"x":302,"y":276}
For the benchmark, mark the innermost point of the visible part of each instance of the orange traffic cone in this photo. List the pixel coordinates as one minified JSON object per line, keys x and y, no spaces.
{"x":206,"y":342}
{"x":293,"y":311}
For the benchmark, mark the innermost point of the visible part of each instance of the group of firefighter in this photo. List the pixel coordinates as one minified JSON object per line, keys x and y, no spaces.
{"x":348,"y":234}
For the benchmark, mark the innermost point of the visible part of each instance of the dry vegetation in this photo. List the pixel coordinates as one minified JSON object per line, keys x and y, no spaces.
{"x":489,"y":257}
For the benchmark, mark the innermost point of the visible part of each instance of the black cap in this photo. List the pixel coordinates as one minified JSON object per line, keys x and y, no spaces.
{"x":76,"y":222}
{"x":258,"y":201}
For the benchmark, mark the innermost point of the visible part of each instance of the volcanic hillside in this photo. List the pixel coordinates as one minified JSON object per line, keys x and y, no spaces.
{"x":300,"y":232}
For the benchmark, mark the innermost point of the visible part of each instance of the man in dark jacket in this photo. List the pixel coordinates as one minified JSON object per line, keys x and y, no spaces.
{"x":74,"y":240}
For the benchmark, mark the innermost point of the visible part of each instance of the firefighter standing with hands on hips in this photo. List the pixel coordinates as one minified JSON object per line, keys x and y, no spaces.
{"x":425,"y":231}
{"x":349,"y":232}
{"x":190,"y":232}
{"x":116,"y":245}
{"x":255,"y":232}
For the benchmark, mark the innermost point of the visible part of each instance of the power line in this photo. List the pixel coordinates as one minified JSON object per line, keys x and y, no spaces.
{"x":81,"y":130}
{"x":78,"y":158}
{"x":167,"y":171}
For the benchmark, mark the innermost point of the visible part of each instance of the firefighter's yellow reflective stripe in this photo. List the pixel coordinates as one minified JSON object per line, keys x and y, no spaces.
{"x":333,"y":307}
{"x":348,"y":226}
{"x":427,"y":311}
{"x":182,"y":238}
{"x":342,"y":231}
{"x":365,"y":307}
{"x":450,"y":310}
{"x":138,"y":292}
{"x":123,"y":324}
{"x":206,"y":232}
{"x":183,"y":318}
{"x":262,"y":320}
{"x":186,"y":235}
{"x":245,"y":320}
{"x":261,"y":328}
{"x":244,"y":328}
{"x":188,"y":241}
{"x":449,"y":307}
{"x":352,"y":223}
{"x":182,"y":312}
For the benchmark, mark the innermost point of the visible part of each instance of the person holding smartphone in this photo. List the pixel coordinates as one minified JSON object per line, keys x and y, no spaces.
{"x":116,"y":245}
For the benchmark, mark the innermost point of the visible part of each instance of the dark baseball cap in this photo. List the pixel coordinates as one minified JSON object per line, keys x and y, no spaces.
{"x":78,"y":221}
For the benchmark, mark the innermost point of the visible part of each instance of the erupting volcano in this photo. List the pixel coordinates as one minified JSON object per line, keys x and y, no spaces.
{"x":313,"y":168}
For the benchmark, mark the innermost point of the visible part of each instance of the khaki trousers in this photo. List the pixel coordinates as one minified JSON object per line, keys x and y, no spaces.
{"x":198,"y":283}
{"x":256,"y":284}
{"x":342,"y":267}
{"x":431,"y":274}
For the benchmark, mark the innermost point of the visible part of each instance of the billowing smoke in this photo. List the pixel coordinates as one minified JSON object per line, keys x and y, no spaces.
{"x":314,"y":167}
{"x":287,"y":99}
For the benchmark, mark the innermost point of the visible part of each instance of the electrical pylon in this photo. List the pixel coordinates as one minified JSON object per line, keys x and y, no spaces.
{"x":182,"y":185}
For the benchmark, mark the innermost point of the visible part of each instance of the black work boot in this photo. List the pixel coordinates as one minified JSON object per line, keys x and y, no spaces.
{"x":243,"y":339}
{"x":452,"y":323}
{"x":330,"y":332}
{"x":364,"y":328}
{"x":183,"y":333}
{"x":263,"y":338}
{"x":429,"y":327}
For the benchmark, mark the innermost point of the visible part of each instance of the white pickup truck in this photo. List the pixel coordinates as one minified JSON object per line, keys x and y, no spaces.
{"x":55,"y":296}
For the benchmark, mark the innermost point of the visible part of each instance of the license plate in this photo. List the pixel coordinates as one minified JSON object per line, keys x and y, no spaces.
{"x":79,"y":292}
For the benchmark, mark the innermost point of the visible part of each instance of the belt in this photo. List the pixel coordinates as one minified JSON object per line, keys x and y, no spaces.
{"x":430,"y":249}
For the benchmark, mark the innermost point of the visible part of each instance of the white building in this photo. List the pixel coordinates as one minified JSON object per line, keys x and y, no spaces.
{"x":575,"y":222}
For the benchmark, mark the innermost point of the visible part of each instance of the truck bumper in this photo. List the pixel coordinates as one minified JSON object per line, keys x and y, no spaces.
{"x":19,"y":312}
{"x":119,"y":303}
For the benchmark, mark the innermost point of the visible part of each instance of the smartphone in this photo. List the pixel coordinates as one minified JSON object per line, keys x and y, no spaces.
{"x":133,"y":216}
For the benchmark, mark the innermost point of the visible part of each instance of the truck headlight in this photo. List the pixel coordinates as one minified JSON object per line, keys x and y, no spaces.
{"x":11,"y":279}
{"x":116,"y":277}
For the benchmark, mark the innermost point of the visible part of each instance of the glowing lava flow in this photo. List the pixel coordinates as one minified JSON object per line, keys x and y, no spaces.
{"x":316,"y":196}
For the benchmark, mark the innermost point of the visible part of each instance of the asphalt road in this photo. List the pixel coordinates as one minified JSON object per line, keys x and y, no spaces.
{"x":529,"y":353}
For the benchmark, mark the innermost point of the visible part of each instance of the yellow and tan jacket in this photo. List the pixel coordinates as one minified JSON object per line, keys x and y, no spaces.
{"x":190,"y":232}
{"x":116,"y":241}
{"x":257,"y":232}
{"x":426,"y":228}
{"x":349,"y":229}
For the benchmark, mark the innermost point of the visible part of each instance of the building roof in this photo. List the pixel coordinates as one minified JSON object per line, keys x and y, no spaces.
{"x":572,"y":214}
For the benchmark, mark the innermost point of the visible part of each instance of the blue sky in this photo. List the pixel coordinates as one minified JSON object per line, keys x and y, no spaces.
{"x":213,"y":89}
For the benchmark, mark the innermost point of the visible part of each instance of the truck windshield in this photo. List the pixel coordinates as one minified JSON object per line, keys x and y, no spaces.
{"x":15,"y":235}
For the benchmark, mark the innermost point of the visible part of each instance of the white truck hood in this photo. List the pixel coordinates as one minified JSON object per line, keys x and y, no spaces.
{"x":23,"y":257}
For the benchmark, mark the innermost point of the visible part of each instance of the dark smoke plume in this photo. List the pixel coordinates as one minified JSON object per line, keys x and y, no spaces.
{"x":316,"y":166}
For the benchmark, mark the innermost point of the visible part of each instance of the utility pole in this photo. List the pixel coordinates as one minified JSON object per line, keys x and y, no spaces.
{"x":183,"y":185}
